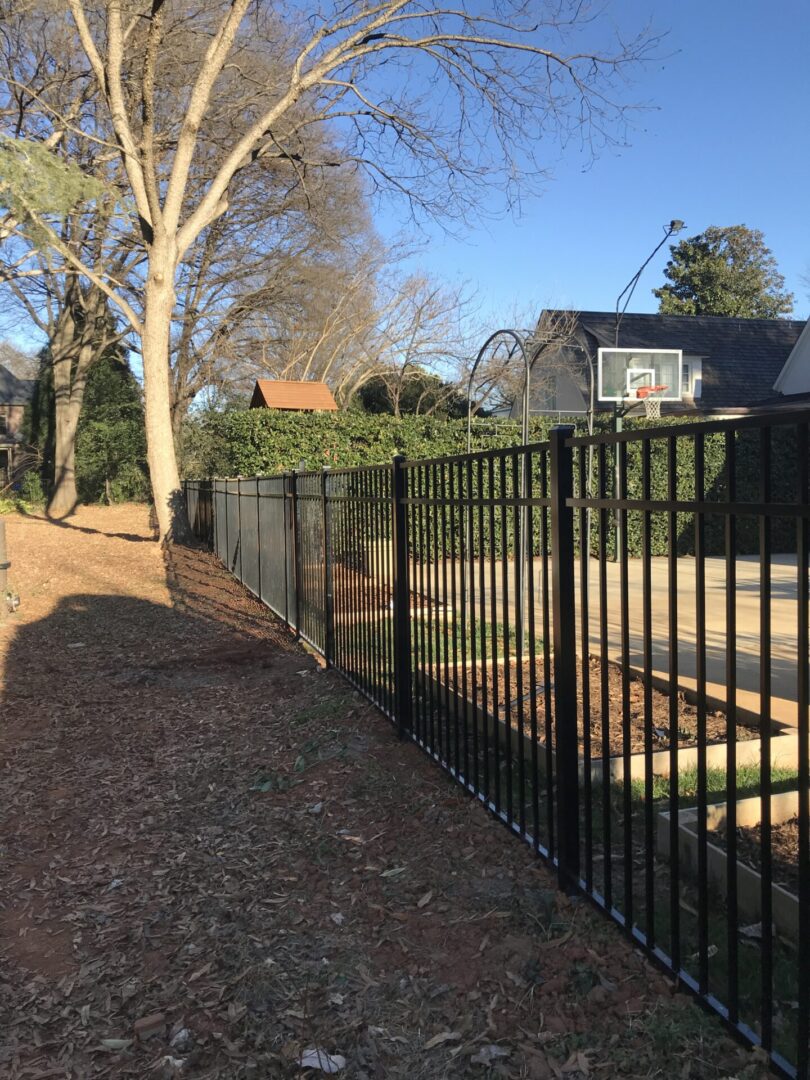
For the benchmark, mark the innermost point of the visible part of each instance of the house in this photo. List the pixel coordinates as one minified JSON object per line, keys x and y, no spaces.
{"x":14,"y":396}
{"x":729,"y":365}
{"x":292,"y":396}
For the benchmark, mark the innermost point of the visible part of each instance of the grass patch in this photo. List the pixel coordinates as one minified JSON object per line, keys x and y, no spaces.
{"x":748,"y":784}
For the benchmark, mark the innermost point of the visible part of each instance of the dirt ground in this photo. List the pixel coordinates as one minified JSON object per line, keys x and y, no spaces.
{"x":217,"y":860}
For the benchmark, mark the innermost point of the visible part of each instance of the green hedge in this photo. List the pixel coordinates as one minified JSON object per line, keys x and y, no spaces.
{"x":265,"y":442}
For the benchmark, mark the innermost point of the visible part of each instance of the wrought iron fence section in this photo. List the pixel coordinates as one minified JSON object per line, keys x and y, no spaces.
{"x":561,"y":628}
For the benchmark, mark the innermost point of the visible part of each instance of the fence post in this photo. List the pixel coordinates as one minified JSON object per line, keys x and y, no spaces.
{"x":239,"y":528}
{"x":565,"y":672}
{"x":402,"y":598}
{"x":296,"y":553}
{"x":259,"y":537}
{"x":328,"y":606}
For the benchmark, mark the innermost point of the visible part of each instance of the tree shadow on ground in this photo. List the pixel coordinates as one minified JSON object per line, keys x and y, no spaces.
{"x":120,"y":745}
{"x":62,"y":523}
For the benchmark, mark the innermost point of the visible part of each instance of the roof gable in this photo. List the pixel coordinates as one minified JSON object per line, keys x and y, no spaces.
{"x":14,"y":391}
{"x":286,"y":394}
{"x":743,"y":358}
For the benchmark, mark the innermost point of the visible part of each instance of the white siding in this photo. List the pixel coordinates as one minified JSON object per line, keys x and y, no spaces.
{"x":794,"y":377}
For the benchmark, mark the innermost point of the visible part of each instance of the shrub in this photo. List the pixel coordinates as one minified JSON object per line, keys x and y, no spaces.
{"x":264,"y":441}
{"x":31,"y":489}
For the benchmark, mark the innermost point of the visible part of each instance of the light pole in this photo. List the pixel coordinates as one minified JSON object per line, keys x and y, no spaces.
{"x":675,"y":226}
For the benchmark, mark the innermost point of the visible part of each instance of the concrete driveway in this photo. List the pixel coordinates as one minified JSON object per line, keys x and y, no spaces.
{"x":746,"y":645}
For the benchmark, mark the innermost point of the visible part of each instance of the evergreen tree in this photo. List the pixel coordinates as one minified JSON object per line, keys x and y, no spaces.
{"x":110,"y":440}
{"x":724,"y":271}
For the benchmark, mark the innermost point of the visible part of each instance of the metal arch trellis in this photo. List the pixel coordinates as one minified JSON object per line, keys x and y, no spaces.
{"x":514,"y":343}
{"x":518,"y":345}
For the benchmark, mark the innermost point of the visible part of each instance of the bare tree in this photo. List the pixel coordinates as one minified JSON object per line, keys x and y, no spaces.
{"x":423,"y":329}
{"x":432,"y":102}
{"x":258,"y":278}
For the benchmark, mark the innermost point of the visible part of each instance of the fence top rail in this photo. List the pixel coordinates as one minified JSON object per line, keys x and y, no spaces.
{"x":526,"y":450}
{"x":384,"y":466}
{"x":784,"y":418}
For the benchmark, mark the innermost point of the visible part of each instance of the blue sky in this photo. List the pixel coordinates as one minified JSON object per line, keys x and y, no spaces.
{"x":725,"y":144}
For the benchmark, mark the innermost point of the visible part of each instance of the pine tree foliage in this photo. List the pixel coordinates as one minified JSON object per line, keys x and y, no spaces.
{"x":35,"y":180}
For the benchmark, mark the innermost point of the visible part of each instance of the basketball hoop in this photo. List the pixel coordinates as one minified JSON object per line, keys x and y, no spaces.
{"x":652,"y":402}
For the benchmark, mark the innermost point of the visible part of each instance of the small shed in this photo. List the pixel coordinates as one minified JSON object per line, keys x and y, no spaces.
{"x":293,"y":396}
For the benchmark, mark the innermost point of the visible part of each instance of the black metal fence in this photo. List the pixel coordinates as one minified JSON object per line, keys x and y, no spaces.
{"x":642,"y":722}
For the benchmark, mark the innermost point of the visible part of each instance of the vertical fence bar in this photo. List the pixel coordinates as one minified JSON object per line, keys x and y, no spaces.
{"x":532,"y":654}
{"x":565,"y":674}
{"x":700,"y":673}
{"x":328,"y":598}
{"x":647,"y":634}
{"x":765,"y":689}
{"x":604,"y":685}
{"x":258,"y":539}
{"x":731,"y":730}
{"x":296,"y":552}
{"x":476,"y":760}
{"x":545,"y":602}
{"x":672,"y":612}
{"x":622,"y":555}
{"x":493,"y":631}
{"x":402,"y":604}
{"x":803,"y":718}
{"x":507,"y":637}
{"x":239,"y":543}
{"x":585,"y":670}
{"x":482,"y":627}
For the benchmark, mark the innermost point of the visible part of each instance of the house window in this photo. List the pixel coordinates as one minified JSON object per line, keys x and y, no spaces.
{"x":692,"y":377}
{"x":3,"y":423}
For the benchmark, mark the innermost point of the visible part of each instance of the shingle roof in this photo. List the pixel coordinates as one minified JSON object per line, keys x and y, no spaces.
{"x":14,"y":391}
{"x":280,"y":394}
{"x":744,"y":356}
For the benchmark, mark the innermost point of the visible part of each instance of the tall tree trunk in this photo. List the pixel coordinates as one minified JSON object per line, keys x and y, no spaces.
{"x":63,"y":498}
{"x":158,"y":306}
{"x":72,"y":356}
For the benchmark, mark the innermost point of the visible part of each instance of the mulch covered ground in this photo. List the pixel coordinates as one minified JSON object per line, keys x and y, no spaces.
{"x":500,"y":688}
{"x":217,"y":860}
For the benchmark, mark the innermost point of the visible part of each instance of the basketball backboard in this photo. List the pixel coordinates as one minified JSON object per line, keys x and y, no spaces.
{"x":622,"y":372}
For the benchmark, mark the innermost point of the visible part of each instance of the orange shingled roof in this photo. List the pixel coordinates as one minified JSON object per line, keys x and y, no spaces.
{"x":281,"y":394}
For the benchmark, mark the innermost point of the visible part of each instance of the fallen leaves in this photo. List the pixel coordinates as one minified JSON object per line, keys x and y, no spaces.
{"x":163,"y":856}
{"x":441,"y":1038}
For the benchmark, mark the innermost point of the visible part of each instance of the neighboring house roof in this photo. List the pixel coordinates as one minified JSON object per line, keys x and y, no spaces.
{"x":743,"y":357}
{"x":280,"y":394}
{"x":14,"y":391}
